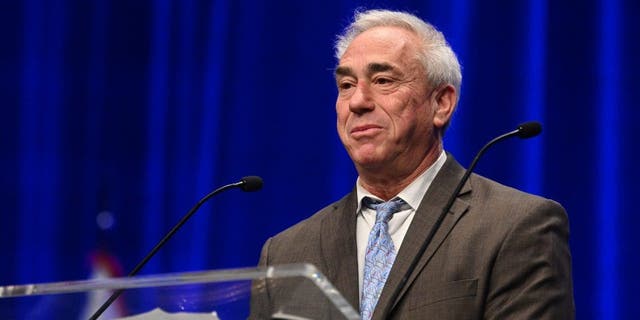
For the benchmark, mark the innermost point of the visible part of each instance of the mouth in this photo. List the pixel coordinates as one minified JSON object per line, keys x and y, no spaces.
{"x":365,"y":130}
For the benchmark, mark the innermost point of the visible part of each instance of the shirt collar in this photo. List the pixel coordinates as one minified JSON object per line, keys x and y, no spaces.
{"x":414,"y":192}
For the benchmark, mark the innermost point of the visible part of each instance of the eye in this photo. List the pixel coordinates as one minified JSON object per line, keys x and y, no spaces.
{"x":345,"y":85}
{"x":383,"y":81}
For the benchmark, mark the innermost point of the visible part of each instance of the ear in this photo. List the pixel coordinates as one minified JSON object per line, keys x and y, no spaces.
{"x":445,"y":104}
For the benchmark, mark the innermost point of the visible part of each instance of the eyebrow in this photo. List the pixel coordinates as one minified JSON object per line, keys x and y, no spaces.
{"x":378,"y":67}
{"x":372,"y":68}
{"x":343,"y":71}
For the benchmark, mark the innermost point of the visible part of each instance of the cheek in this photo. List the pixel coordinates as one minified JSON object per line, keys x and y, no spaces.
{"x":341,"y":121}
{"x":412,"y":122}
{"x":342,"y":112}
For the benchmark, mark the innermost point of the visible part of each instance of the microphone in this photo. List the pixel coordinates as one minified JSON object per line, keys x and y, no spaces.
{"x":247,"y":184}
{"x":250,"y":183}
{"x":523,"y":131}
{"x":529,"y":129}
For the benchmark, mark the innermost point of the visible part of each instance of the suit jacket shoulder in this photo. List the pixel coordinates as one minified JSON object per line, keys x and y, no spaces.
{"x":302,"y":241}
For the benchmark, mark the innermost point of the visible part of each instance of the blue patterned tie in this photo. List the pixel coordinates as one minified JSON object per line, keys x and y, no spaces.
{"x":380,"y":253}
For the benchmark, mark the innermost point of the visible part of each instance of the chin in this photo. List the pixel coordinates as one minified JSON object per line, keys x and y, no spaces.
{"x":369,"y":163}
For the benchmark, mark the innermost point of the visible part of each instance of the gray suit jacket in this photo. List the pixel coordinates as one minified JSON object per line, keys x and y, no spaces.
{"x":499,"y":254}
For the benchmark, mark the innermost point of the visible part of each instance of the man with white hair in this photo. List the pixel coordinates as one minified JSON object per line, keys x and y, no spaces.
{"x":499,"y":253}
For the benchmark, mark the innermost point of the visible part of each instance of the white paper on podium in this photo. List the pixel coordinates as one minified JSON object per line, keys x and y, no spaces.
{"x":159,"y":314}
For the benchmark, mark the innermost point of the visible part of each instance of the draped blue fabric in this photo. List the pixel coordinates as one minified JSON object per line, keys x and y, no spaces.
{"x":139,"y":108}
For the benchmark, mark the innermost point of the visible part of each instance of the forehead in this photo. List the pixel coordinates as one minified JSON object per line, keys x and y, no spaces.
{"x":393,"y":45}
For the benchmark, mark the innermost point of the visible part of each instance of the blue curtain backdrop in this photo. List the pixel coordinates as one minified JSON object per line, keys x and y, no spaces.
{"x":139,"y":108}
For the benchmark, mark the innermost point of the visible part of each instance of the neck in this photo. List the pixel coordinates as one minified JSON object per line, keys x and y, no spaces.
{"x":388,"y":182}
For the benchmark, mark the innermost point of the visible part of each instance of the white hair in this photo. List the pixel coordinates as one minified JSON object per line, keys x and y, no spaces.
{"x":438,"y":59}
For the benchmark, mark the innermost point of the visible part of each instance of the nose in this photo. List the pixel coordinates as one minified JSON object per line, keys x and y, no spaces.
{"x":361,"y":100}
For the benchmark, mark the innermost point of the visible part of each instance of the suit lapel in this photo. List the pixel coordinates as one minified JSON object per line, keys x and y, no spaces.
{"x":338,"y":243}
{"x":431,"y":206}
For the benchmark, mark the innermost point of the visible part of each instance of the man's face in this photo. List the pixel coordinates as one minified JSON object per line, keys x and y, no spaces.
{"x":385,"y":108}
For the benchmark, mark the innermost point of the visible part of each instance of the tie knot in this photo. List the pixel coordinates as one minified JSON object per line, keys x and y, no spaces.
{"x":384,"y":210}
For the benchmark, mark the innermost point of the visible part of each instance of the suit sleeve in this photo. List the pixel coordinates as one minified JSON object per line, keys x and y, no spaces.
{"x":531,"y":276}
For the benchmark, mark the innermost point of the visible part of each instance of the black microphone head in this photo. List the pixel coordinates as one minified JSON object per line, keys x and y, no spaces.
{"x":529,"y":129}
{"x":251,"y":183}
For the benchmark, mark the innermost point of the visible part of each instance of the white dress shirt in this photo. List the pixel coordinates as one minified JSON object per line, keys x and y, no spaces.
{"x":400,"y":221}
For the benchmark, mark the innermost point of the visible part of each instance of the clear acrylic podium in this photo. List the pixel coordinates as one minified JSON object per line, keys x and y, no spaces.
{"x":297,"y":291}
